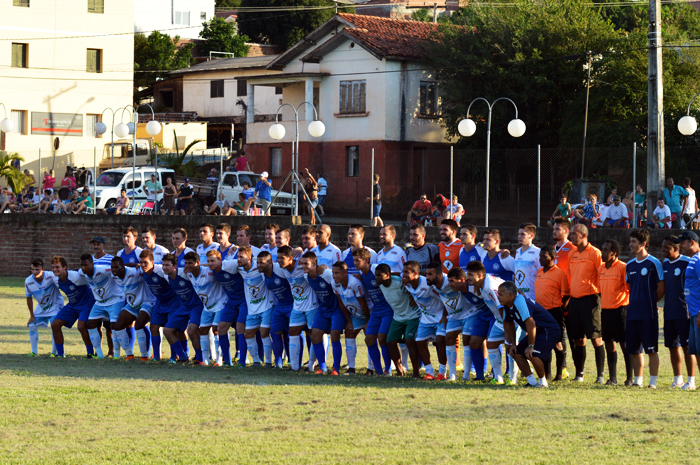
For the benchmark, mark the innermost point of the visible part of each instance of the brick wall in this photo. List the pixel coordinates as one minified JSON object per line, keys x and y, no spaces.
{"x":177,"y":117}
{"x":24,"y":237}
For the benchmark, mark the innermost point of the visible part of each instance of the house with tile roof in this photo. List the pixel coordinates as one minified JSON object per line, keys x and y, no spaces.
{"x":368,"y":79}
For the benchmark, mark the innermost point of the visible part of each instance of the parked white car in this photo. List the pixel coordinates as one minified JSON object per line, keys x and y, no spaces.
{"x":111,"y":182}
{"x":233,"y":185}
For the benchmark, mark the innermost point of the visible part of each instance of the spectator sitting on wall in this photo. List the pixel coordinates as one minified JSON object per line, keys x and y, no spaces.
{"x":563,"y":210}
{"x":84,"y":202}
{"x":661,"y":218}
{"x":454,"y":211}
{"x":30,"y":201}
{"x":616,"y":215}
{"x":249,"y":195}
{"x":221,"y":205}
{"x":613,"y":193}
{"x":122,"y":204}
{"x":45,"y":201}
{"x":421,"y":208}
{"x":239,"y":207}
{"x":241,"y":163}
{"x":49,"y":180}
{"x":6,"y":200}
{"x":590,"y":212}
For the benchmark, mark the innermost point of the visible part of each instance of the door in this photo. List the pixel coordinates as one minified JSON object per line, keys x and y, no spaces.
{"x":136,"y":186}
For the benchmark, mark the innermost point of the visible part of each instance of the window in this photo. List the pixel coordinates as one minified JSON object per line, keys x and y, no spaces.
{"x":203,"y":15}
{"x":19,"y":55}
{"x":428,"y":98}
{"x":278,"y":90}
{"x":90,"y":122}
{"x":129,"y":181}
{"x":167,"y":98}
{"x":353,"y":156}
{"x":96,"y":6}
{"x":242,"y":89}
{"x":217,"y":89}
{"x":94,"y":60}
{"x":352,"y":96}
{"x":275,"y":161}
{"x":19,"y":118}
{"x":24,"y":3}
{"x":182,"y":18}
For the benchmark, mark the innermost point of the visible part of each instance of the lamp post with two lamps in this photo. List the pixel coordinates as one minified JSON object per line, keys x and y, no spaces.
{"x":101,"y":128}
{"x":467,"y":128}
{"x":6,"y":125}
{"x":277,"y":131}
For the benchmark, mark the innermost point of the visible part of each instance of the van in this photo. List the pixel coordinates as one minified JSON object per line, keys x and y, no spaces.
{"x":111,"y":182}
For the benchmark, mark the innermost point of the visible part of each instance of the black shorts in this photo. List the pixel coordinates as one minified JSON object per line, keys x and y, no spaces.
{"x":583,"y":320}
{"x":183,"y":205}
{"x":545,"y":341}
{"x":642,"y":336}
{"x":676,"y":332}
{"x":613,"y":322}
{"x":558,"y":315}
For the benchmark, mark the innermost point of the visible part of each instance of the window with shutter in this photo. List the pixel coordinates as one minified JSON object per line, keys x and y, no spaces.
{"x":178,"y":17}
{"x":94,"y":60}
{"x":428,"y":98}
{"x":19,"y":55}
{"x":90,"y":122}
{"x":242,"y":88}
{"x":22,"y":3}
{"x":352,"y":154}
{"x":96,"y":6}
{"x":275,"y":161}
{"x":19,"y":118}
{"x":217,"y":89}
{"x":353,"y":97}
{"x":185,"y":18}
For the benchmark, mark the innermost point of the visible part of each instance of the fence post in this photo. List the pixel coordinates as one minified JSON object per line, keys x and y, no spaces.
{"x":371,"y":193}
{"x":539,"y":184}
{"x":41,"y":179}
{"x":634,"y":184}
{"x":452,"y":164}
{"x":94,"y":180}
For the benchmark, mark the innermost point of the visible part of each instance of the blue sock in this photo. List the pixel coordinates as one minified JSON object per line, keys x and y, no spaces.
{"x":337,"y":355}
{"x":178,"y":350}
{"x":198,"y":355}
{"x":132,"y":336}
{"x":155,"y":341}
{"x":286,"y":344}
{"x":277,"y":348}
{"x":185,"y":348}
{"x":376,"y":358}
{"x":90,"y":349}
{"x":387,"y":357}
{"x":59,"y":350}
{"x":225,"y":345}
{"x":243,"y":348}
{"x":261,"y":347}
{"x":147,"y":330}
{"x":320,"y":356}
{"x":479,"y":362}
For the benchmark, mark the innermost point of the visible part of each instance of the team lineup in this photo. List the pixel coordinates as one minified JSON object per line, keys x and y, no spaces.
{"x":511,"y":315}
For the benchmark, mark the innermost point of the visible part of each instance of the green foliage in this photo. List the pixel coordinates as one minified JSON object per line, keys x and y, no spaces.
{"x":176,"y":161}
{"x":14,"y":178}
{"x":221,"y":36}
{"x":156,"y":55}
{"x":228,"y":3}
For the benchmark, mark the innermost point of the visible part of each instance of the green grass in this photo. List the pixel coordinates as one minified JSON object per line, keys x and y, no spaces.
{"x":75,"y":410}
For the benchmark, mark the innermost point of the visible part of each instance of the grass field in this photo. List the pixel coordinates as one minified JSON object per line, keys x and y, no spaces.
{"x":75,"y":410}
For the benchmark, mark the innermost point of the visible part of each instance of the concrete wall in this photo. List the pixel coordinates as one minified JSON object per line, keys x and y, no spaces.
{"x":157,"y":15}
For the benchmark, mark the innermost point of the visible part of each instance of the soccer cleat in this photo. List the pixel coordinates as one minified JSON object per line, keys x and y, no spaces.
{"x":452,"y":378}
{"x":257,"y":364}
{"x":540,"y":385}
{"x":269,"y":366}
{"x":319,"y":372}
{"x":196,"y":362}
{"x":628,"y":382}
{"x":440,"y":377}
{"x":578,"y":379}
{"x":636,"y":385}
{"x":564,"y":373}
{"x":611,"y":383}
{"x":688,"y":387}
{"x":334,"y":373}
{"x":528,"y":385}
{"x":171,"y":361}
{"x":600,"y":380}
{"x":652,"y":386}
{"x":495,"y":381}
{"x":428,"y":377}
{"x":90,"y":356}
{"x":350,"y":371}
{"x":369,"y":372}
{"x":676,"y":385}
{"x":32,"y":354}
{"x":509,"y":382}
{"x":130,"y":357}
{"x":388,"y":374}
{"x":459,"y":367}
{"x":217,"y":364}
{"x":52,"y":356}
{"x":145,"y":359}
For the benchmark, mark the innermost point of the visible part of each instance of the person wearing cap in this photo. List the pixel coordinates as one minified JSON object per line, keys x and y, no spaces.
{"x":615,"y":215}
{"x":122,"y":204}
{"x":153,"y":188}
{"x":690,"y":246}
{"x":184,"y":197}
{"x":263,"y":192}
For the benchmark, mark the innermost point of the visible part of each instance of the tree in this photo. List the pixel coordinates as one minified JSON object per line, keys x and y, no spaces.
{"x":285,"y":28}
{"x":156,"y":55}
{"x":228,"y":3}
{"x":221,"y":36}
{"x":176,"y":161}
{"x":14,"y":178}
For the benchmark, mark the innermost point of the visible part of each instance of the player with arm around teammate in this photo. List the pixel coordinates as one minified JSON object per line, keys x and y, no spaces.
{"x":42,"y":287}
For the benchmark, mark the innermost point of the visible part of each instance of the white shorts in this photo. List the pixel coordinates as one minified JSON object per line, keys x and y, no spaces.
{"x":146,"y":307}
{"x":44,"y":321}
{"x":107,"y":313}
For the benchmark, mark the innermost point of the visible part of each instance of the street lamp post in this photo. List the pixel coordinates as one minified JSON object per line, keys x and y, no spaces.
{"x":316,"y":129}
{"x":467,"y":128}
{"x":101,"y":128}
{"x":6,"y":125}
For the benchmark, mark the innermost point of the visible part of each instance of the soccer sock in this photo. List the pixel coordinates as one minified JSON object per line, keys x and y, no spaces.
{"x":429,"y":369}
{"x":404,"y":355}
{"x":213,"y":346}
{"x":267,"y":349}
{"x":370,"y":365}
{"x":376,"y":357}
{"x":253,"y":343}
{"x":123,"y":338}
{"x":514,"y":369}
{"x":277,"y":348}
{"x":560,"y":356}
{"x":639,"y":380}
{"x":691,"y":380}
{"x":543,"y":382}
{"x":34,"y":338}
{"x":532,"y":380}
{"x":495,"y":359}
{"x":386,"y":355}
{"x":116,"y":344}
{"x":442,"y":369}
{"x":312,"y":356}
{"x":294,"y":352}
{"x":676,"y":379}
{"x":451,"y":352}
{"x":321,"y":356}
{"x":179,"y":351}
{"x":243,"y":350}
{"x":600,"y":360}
{"x":155,"y":342}
{"x":337,"y":355}
{"x":96,"y":342}
{"x":261,"y":348}
{"x":90,"y":349}
{"x":173,"y":352}
{"x":53,"y":344}
{"x":326,"y":344}
{"x":285,"y":337}
{"x":132,"y":337}
{"x":612,"y":366}
{"x":581,"y":356}
{"x":652,"y":380}
{"x":629,"y":368}
{"x":143,"y":339}
{"x":185,"y":348}
{"x":60,"y":352}
{"x":225,"y":345}
{"x":147,"y":332}
{"x":217,"y":347}
{"x":467,"y":353}
{"x":198,"y":355}
{"x":301,"y":349}
{"x":351,"y":351}
{"x":204,"y":344}
{"x":548,"y":367}
{"x":479,"y":362}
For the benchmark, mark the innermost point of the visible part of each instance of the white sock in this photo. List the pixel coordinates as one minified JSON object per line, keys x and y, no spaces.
{"x":451,"y":352}
{"x":267,"y":350}
{"x":467,"y":362}
{"x":691,"y":380}
{"x":312,"y":358}
{"x":514,"y":369}
{"x":294,"y":351}
{"x":678,"y":379}
{"x":96,"y":342}
{"x":495,"y":360}
{"x":370,"y":365}
{"x":123,"y":338}
{"x":404,"y":355}
{"x":143,"y":343}
{"x":34,"y":338}
{"x":253,"y":344}
{"x":638,"y":380}
{"x":53,"y":344}
{"x":442,"y":369}
{"x":543,"y":381}
{"x":652,"y":380}
{"x":204,"y":344}
{"x":213,"y":344}
{"x":532,"y":380}
{"x":326,"y":346}
{"x":218,"y":355}
{"x":351,"y":351}
{"x":429,"y":370}
{"x":117,"y":345}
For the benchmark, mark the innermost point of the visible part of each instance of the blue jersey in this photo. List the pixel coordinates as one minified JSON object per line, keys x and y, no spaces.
{"x":131,"y":257}
{"x":181,"y":257}
{"x":501,"y":268}
{"x":277,"y":284}
{"x":185,"y":290}
{"x":231,"y":280}
{"x":347,"y":258}
{"x":322,"y":285}
{"x":643,"y":278}
{"x":76,"y":289}
{"x":375,"y":293}
{"x":524,"y":308}
{"x":160,"y":287}
{"x":474,"y":255}
{"x":692,"y":285}
{"x":224,"y":253}
{"x":675,"y":306}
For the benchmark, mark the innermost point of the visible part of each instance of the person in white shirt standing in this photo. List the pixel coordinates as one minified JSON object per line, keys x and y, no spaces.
{"x":690,"y":205}
{"x":322,"y":192}
{"x":615,"y":215}
{"x":527,"y":261}
{"x":391,"y":254}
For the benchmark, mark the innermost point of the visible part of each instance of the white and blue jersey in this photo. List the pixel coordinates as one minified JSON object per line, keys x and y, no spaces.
{"x":347,"y":258}
{"x":158,"y":253}
{"x":379,"y":303}
{"x":395,"y":258}
{"x":208,"y":289}
{"x":328,"y":255}
{"x":458,"y":308}
{"x":185,"y":290}
{"x":692,"y":285}
{"x":46,"y":293}
{"x":233,"y":254}
{"x":271,"y":250}
{"x":136,"y":291}
{"x":129,"y":257}
{"x":350,"y":296}
{"x":476,"y":254}
{"x":202,"y":252}
{"x":501,"y":268}
{"x":181,"y":257}
{"x":105,"y":260}
{"x":322,"y":286}
{"x":160,"y":287}
{"x":526,"y":265}
{"x":278,"y":284}
{"x":643,"y":278}
{"x":489,"y":294}
{"x":675,"y":306}
{"x":76,"y":290}
{"x":524,"y":308}
{"x":305,"y":299}
{"x":428,"y":301}
{"x":104,"y":289}
{"x":231,"y":281}
{"x":258,"y":296}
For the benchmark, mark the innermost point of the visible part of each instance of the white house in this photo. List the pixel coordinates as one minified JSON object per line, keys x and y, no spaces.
{"x":182,"y":18}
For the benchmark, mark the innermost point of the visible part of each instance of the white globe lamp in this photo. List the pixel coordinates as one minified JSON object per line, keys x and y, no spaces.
{"x":317,"y":128}
{"x":121,"y":130}
{"x":277,"y":131}
{"x":100,"y":128}
{"x":516,"y":128}
{"x":7,"y":125}
{"x":466,"y":127}
{"x":687,"y":125}
{"x":153,"y":128}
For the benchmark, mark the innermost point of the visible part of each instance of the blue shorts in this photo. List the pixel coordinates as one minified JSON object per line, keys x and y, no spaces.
{"x":496,"y":333}
{"x":279,"y":321}
{"x":545,"y":340}
{"x":210,"y":319}
{"x":676,"y":332}
{"x":71,"y":314}
{"x":44,"y":321}
{"x":321,"y":200}
{"x":303,"y":318}
{"x":482,"y":323}
{"x":196,"y":315}
{"x":642,"y":336}
{"x":375,"y":211}
{"x":464,"y":326}
{"x":161,"y":314}
{"x":694,"y":336}
{"x":110,"y":312}
{"x":183,"y":205}
{"x":429,"y":332}
{"x":379,"y":323}
{"x":261,"y":320}
{"x":330,"y":322}
{"x":177,"y":320}
{"x":234,"y":312}
{"x":358,"y":322}
{"x":146,"y":307}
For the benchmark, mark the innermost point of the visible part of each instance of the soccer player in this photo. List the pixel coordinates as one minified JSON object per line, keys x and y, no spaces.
{"x":542,"y":332}
{"x":99,"y":256}
{"x":496,"y":264}
{"x":645,"y":277}
{"x":527,"y":260}
{"x":137,"y":309}
{"x":382,"y":314}
{"x":356,"y":233}
{"x":259,"y":300}
{"x":179,"y":239}
{"x":130,"y":253}
{"x":326,"y":253}
{"x":148,"y":236}
{"x":351,"y":299}
{"x":432,"y":320}
{"x":552,"y":293}
{"x":206,"y":235}
{"x":80,"y":302}
{"x":690,"y":246}
{"x":243,"y":239}
{"x":308,"y":239}
{"x":391,"y":254}
{"x":270,"y":244}
{"x":419,"y":251}
{"x":676,"y":318}
{"x":276,"y":282}
{"x":450,"y":246}
{"x":563,"y":245}
{"x":583,"y":320}
{"x":188,"y":294}
{"x":109,"y":299}
{"x":223,"y":233}
{"x":470,"y":250}
{"x":614,"y":299}
{"x":42,"y":287}
{"x":329,"y":317}
{"x":282,"y":237}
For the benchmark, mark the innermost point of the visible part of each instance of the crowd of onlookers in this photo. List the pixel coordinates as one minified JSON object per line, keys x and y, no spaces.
{"x":71,"y":196}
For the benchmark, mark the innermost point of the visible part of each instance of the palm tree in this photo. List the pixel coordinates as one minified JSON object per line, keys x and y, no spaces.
{"x":175,"y":161}
{"x":14,"y":178}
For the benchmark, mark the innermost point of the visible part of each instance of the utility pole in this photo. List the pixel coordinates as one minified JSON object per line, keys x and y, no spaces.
{"x":655,"y":131}
{"x":585,"y":121}
{"x":435,"y":12}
